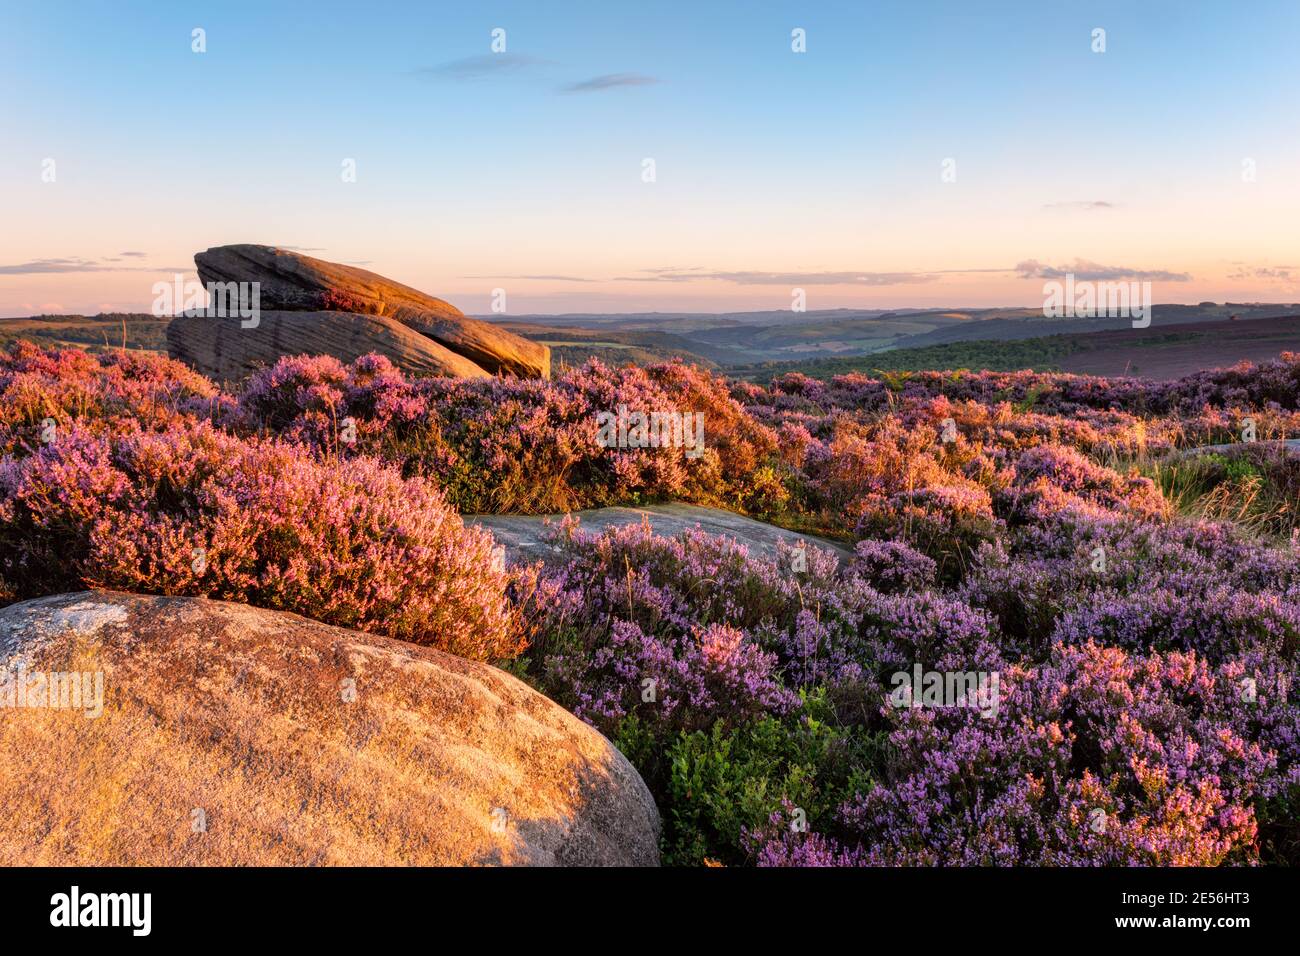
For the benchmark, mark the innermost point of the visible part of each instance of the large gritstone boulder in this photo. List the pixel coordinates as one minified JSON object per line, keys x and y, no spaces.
{"x":163,"y":731}
{"x":290,"y":281}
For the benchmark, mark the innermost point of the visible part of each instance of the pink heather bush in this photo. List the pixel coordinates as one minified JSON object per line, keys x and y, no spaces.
{"x":512,"y":445}
{"x":1049,"y":469}
{"x":99,"y":392}
{"x":1158,"y":745}
{"x":627,"y":608}
{"x":196,"y":511}
{"x":891,"y":566}
{"x":1244,"y":385}
{"x":1219,"y":623}
{"x":693,"y":679}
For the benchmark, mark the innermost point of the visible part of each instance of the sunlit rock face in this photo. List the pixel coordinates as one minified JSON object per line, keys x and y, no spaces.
{"x":213,"y":733}
{"x":225,"y":351}
{"x":291,"y":282}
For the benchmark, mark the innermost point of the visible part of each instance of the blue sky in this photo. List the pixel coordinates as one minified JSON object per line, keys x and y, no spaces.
{"x":477,"y":170}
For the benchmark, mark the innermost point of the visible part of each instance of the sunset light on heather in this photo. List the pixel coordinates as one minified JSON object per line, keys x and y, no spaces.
{"x":665,"y":448}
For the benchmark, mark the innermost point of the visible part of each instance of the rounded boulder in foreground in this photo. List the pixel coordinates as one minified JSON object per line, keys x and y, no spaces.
{"x":231,"y":735}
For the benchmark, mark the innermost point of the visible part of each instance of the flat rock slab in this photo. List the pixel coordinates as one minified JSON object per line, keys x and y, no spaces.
{"x":521,"y":535}
{"x":1289,"y":447}
{"x":227,"y":735}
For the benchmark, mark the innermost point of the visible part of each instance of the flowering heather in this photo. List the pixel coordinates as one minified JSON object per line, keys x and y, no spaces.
{"x":1243,"y":385}
{"x":893,"y":566}
{"x":1103,"y":758}
{"x":1068,"y":470}
{"x":1140,"y":608}
{"x":43,"y":391}
{"x":518,"y":445}
{"x":196,"y":511}
{"x":695,"y":615}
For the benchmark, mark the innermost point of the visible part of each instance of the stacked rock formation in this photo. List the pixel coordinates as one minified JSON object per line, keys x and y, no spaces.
{"x":310,"y":306}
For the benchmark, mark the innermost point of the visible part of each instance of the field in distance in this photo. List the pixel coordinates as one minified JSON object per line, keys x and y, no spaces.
{"x":761,"y":345}
{"x":748,"y":342}
{"x":1159,"y":352}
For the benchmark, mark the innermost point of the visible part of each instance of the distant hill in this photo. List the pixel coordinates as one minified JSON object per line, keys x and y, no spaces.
{"x":571,"y":346}
{"x":1160,"y":352}
{"x":738,"y":338}
{"x":749,"y":339}
{"x":759,"y":345}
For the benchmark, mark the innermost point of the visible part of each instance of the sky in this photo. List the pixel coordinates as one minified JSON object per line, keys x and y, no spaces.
{"x":918,"y":153}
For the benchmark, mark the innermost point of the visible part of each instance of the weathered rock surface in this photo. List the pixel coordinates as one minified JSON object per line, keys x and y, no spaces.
{"x":521,"y":535}
{"x":231,"y":735}
{"x":223,"y":350}
{"x":1288,"y":446}
{"x":294,"y":282}
{"x":488,"y":345}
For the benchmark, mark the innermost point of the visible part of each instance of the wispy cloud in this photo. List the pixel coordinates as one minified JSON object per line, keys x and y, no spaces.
{"x":784,"y":278}
{"x":1096,"y":272}
{"x":686,"y":274}
{"x":609,"y":81}
{"x":1271,"y":273}
{"x":1029,"y":269}
{"x":53,"y":266}
{"x":133,"y":255}
{"x":486,"y":65}
{"x":502,"y":65}
{"x":76,"y":264}
{"x":1084,"y":204}
{"x":538,"y":278}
